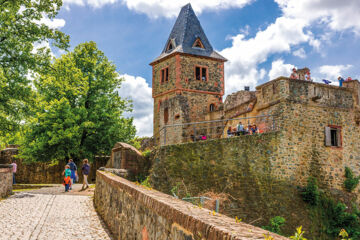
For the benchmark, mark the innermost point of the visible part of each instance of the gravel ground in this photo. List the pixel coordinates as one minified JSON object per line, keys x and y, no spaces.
{"x":50,"y":214}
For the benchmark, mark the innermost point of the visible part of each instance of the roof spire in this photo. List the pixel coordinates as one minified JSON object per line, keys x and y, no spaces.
{"x":184,"y":34}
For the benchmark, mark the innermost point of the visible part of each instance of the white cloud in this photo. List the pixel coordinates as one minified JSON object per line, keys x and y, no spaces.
{"x":300,"y":53}
{"x":91,"y":3}
{"x":138,"y":90}
{"x":55,"y":23}
{"x":170,"y":8}
{"x":279,"y":68}
{"x":332,"y":72}
{"x":288,"y":31}
{"x":246,"y":54}
{"x":337,"y":15}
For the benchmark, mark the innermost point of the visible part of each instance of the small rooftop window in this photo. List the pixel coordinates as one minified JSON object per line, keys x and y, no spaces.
{"x":198,"y":43}
{"x":171,"y":45}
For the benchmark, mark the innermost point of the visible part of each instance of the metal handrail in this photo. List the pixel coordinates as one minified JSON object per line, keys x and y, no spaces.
{"x":211,"y":121}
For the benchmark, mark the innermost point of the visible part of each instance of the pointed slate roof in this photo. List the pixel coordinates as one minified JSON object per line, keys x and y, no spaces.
{"x":186,"y":30}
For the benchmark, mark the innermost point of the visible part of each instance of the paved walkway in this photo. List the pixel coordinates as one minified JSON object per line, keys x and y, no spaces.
{"x":49,"y":213}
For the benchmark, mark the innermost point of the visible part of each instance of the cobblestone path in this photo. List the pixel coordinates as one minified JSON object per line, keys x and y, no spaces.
{"x":49,"y":214}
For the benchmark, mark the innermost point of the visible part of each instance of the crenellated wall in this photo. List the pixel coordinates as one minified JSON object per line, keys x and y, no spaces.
{"x":135,"y":212}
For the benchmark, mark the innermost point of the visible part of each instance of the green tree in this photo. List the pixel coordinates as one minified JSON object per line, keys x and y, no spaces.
{"x":20,"y":30}
{"x":80,"y":110}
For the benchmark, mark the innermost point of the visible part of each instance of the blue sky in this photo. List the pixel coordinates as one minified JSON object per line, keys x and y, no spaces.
{"x":262,"y":39}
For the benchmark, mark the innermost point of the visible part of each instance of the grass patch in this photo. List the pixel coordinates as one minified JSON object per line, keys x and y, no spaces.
{"x":24,"y":189}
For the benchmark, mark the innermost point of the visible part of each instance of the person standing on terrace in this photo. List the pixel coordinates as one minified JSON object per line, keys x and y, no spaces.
{"x":240,"y":129}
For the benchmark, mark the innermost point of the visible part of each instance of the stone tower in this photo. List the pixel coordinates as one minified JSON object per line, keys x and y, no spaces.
{"x":187,"y":79}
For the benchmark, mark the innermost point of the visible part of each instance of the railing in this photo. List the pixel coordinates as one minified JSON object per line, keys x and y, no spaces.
{"x":200,"y":131}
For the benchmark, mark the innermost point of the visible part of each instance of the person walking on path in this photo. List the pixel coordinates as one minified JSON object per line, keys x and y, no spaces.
{"x":14,"y":169}
{"x":73,"y":169}
{"x":67,"y":178}
{"x":85,"y":171}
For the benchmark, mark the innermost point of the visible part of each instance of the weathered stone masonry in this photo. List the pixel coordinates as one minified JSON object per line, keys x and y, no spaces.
{"x":134,"y":212}
{"x":6,"y":179}
{"x":187,"y":78}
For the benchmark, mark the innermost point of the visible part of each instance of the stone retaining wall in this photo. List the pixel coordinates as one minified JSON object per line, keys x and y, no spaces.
{"x":5,"y":180}
{"x":135,"y":212}
{"x":40,"y":172}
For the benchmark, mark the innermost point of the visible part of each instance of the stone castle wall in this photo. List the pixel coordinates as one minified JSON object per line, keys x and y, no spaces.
{"x":303,"y":109}
{"x":35,"y":173}
{"x":6,"y":179}
{"x":134,"y":212}
{"x":305,"y":112}
{"x":245,"y":169}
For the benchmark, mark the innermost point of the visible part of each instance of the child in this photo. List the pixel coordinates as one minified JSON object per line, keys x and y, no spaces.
{"x":67,"y":179}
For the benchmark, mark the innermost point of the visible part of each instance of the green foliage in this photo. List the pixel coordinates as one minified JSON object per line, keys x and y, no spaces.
{"x":146,"y":183}
{"x":299,"y":234}
{"x":351,"y":182}
{"x":344,"y":235}
{"x":311,"y":192}
{"x":337,"y":216}
{"x":136,"y":142}
{"x":146,"y":153}
{"x":21,"y":29}
{"x":79,"y":110}
{"x":275,"y":224}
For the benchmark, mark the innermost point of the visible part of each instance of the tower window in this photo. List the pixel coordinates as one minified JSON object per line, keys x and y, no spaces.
{"x":166,"y":115}
{"x":212,"y":107}
{"x":333,"y":136}
{"x":198,"y":43}
{"x":201,"y":73}
{"x":164,"y":75}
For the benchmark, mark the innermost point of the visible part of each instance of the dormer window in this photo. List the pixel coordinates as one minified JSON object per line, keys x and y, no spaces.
{"x":198,"y":44}
{"x":171,"y":45}
{"x":164,"y":77}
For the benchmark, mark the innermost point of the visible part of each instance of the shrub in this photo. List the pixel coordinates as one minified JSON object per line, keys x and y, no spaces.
{"x":146,"y":153}
{"x":275,"y":224}
{"x":146,"y":183}
{"x":351,"y":182}
{"x":311,"y":192}
{"x":298,"y":234}
{"x":338,"y":217}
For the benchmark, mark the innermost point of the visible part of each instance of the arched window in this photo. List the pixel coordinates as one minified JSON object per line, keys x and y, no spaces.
{"x":212,"y":107}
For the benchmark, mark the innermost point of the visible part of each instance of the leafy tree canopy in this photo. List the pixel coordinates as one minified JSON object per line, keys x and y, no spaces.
{"x":80,"y":111}
{"x":21,"y":29}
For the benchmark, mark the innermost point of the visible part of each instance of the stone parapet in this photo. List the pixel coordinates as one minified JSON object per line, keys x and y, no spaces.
{"x":5,"y":180}
{"x":135,"y":212}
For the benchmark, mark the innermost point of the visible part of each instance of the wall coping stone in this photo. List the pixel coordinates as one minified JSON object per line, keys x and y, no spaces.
{"x":6,"y":166}
{"x":194,"y":219}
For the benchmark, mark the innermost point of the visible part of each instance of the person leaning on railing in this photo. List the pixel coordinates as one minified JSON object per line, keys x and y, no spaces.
{"x":229,"y":132}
